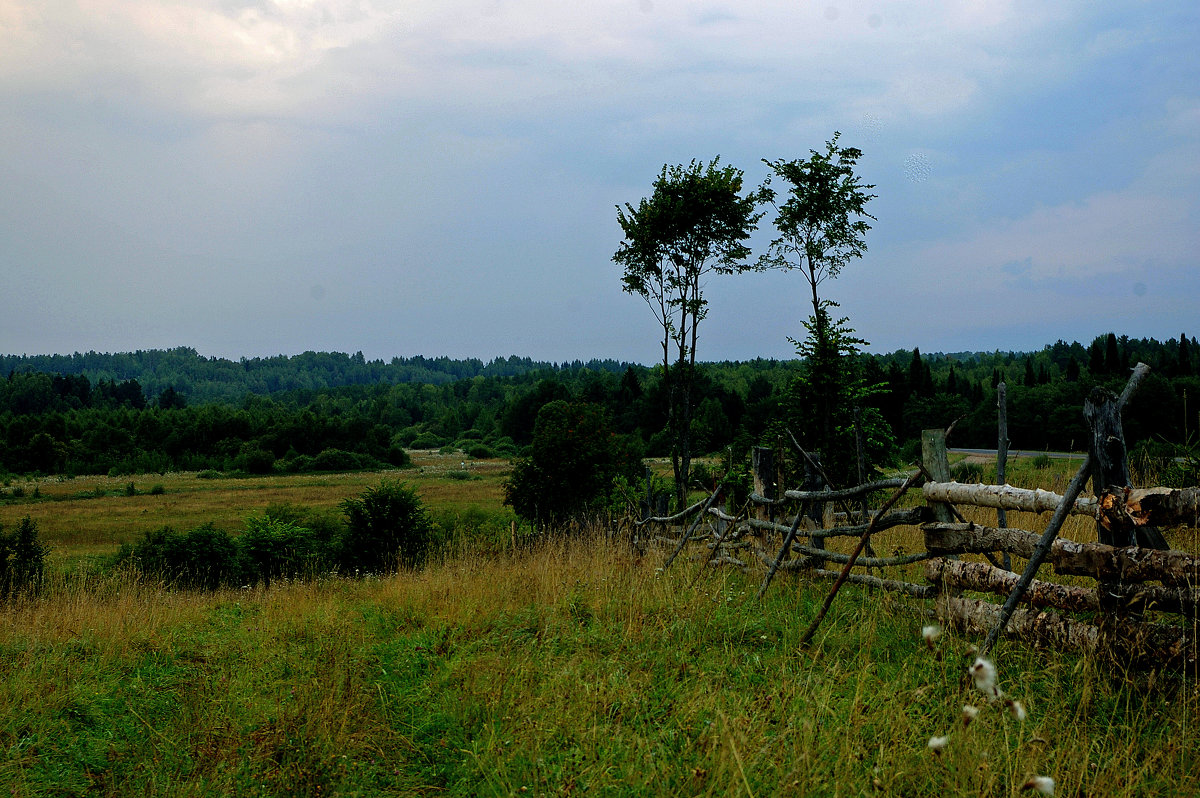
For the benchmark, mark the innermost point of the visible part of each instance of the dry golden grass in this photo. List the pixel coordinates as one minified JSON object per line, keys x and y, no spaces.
{"x":76,"y":522}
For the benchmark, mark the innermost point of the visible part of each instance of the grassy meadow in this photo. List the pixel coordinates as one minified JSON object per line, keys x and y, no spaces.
{"x":569,"y":667}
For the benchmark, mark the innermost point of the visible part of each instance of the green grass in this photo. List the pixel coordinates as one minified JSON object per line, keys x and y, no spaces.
{"x":568,"y":668}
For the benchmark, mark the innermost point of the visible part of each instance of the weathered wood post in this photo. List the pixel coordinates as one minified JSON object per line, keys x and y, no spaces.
{"x":860,"y":452}
{"x":1110,"y":474}
{"x":762,"y":464}
{"x":1002,"y":458}
{"x":1056,"y":521}
{"x":937,"y":463}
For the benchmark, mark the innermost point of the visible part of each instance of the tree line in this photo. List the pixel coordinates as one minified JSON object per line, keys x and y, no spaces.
{"x":70,"y":424}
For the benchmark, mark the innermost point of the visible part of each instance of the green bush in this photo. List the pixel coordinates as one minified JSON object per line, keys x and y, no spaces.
{"x":1041,"y":462}
{"x":387,"y":527}
{"x":22,"y":559}
{"x":205,"y":557}
{"x":480,"y":452}
{"x":336,"y":460}
{"x":253,"y":459}
{"x":274,"y":547}
{"x":397,"y":456}
{"x":298,"y":464}
{"x":426,"y":440}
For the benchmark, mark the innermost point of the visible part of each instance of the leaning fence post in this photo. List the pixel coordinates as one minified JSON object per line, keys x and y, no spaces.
{"x":1056,"y":521}
{"x":937,"y":463}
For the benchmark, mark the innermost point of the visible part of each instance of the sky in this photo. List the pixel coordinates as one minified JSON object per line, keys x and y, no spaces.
{"x":403,"y":177}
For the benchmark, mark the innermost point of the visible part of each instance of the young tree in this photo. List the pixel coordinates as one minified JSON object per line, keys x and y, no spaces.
{"x":694,"y":224}
{"x":822,"y":224}
{"x":572,"y":462}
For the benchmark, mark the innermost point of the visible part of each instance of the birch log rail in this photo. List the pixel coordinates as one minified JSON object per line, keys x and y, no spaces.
{"x":1004,"y":497}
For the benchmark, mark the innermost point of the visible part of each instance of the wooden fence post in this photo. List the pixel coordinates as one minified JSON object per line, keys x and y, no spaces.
{"x":937,"y":463}
{"x":1002,"y":458}
{"x":1110,"y":474}
{"x":762,"y":463}
{"x":1056,"y":521}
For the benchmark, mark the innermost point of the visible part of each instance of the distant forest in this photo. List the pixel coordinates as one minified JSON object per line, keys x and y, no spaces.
{"x":160,"y":410}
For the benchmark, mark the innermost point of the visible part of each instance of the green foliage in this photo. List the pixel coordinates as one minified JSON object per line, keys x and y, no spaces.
{"x":275,"y":547}
{"x":22,"y":559}
{"x":822,"y":222}
{"x":387,"y":528}
{"x":204,"y":558}
{"x":820,"y":402}
{"x":572,"y":463}
{"x":695,"y":223}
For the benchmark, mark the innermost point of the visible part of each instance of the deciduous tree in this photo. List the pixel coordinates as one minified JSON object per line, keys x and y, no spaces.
{"x":694,"y":224}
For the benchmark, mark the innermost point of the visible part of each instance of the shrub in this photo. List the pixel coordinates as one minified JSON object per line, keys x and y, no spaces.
{"x":426,"y":440}
{"x":387,"y":527}
{"x":157,"y":490}
{"x":22,"y":559}
{"x":480,"y":452}
{"x":205,"y":557}
{"x":398,"y":457}
{"x":209,"y":473}
{"x":335,"y":460}
{"x":299,"y":464}
{"x":272,"y":547}
{"x":254,"y":459}
{"x":574,"y":458}
{"x":1041,"y":462}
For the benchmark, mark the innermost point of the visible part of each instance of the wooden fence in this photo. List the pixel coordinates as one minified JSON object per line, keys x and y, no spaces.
{"x":1136,"y":603}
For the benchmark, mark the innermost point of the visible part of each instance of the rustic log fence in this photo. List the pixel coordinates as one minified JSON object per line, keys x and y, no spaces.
{"x":1137,"y":600}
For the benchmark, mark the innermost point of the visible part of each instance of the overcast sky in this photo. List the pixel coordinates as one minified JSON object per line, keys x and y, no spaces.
{"x":403,"y":177}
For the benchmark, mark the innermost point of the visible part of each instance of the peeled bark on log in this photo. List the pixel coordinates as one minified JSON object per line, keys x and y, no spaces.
{"x":988,"y":579}
{"x":1164,"y":506}
{"x":892,"y":585}
{"x":1127,"y":642}
{"x":830,"y":495}
{"x":1004,"y":497}
{"x":865,"y":562}
{"x":911,"y":517}
{"x":1106,"y":563}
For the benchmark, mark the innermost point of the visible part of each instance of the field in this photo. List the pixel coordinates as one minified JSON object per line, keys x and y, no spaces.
{"x":568,"y":667}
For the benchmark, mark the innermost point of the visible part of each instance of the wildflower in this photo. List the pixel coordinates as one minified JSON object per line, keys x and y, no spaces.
{"x":969,"y":713}
{"x":984,"y":674}
{"x":931,"y":633}
{"x":1016,"y":708}
{"x":1043,"y":784}
{"x":938,"y":744}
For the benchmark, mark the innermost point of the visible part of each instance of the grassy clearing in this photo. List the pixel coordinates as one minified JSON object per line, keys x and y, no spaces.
{"x":565,"y":669}
{"x":88,"y":517}
{"x":569,"y":669}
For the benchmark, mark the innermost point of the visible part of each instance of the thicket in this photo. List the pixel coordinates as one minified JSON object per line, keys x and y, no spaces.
{"x":70,"y":424}
{"x":382,"y":530}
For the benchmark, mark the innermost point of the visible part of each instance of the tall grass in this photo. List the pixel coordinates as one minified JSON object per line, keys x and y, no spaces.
{"x":561,"y":666}
{"x":572,"y":667}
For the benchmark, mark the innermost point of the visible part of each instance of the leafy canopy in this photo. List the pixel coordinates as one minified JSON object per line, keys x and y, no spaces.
{"x":822,"y":222}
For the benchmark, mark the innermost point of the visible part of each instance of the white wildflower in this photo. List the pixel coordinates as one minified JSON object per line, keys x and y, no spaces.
{"x":984,"y":674}
{"x":938,"y":744}
{"x":931,"y":633}
{"x":1043,"y":784}
{"x":1017,"y":709}
{"x":969,"y":713}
